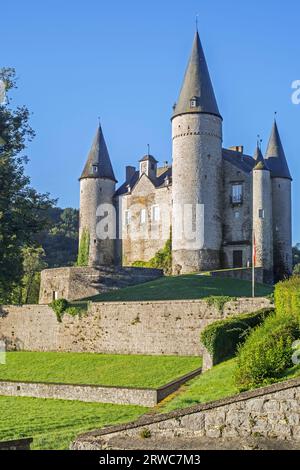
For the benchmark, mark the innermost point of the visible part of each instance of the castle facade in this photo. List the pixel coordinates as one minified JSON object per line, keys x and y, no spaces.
{"x":215,"y":202}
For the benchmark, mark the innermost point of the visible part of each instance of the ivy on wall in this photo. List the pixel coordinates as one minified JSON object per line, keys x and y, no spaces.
{"x":161,"y":260}
{"x":84,"y":249}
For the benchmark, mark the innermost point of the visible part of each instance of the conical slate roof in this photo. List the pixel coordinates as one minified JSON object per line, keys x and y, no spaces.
{"x":98,"y":164}
{"x":260,"y":162}
{"x":275,"y":155}
{"x":197,"y":84}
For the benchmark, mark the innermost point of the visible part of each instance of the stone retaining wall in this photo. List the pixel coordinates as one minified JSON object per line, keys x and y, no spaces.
{"x":153,"y":328}
{"x":17,"y":444}
{"x":78,"y":282}
{"x":94,"y":393}
{"x":272,"y":412}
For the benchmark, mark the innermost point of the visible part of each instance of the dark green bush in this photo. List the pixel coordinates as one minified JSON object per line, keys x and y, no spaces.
{"x":222,"y":338}
{"x":287,"y":297}
{"x":267,"y":352}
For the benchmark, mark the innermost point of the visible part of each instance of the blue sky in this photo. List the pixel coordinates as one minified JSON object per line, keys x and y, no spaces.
{"x":124,"y":61}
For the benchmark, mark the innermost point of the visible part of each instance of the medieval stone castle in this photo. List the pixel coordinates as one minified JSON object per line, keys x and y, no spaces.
{"x":241,"y":195}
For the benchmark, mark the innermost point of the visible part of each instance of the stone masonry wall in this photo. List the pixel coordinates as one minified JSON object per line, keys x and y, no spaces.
{"x":271,"y":412}
{"x":166,"y":327}
{"x":80,"y":282}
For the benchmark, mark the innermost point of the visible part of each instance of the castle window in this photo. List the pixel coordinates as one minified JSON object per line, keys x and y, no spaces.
{"x":261,"y":213}
{"x":193,"y":102}
{"x":236,"y":215}
{"x":127,"y":217}
{"x":143,"y":216}
{"x":155,"y":213}
{"x":95,"y":168}
{"x":237,"y":193}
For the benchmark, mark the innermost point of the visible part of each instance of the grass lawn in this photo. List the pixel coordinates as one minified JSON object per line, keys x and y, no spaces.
{"x":190,"y":286}
{"x":55,"y":423}
{"x":101,"y":369}
{"x":213,"y":385}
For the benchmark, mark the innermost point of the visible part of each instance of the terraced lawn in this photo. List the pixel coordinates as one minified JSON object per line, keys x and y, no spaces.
{"x":55,"y":423}
{"x":96,"y":369}
{"x":192,"y":286}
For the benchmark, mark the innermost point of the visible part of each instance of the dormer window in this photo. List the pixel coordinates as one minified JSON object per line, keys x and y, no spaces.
{"x":194,"y":102}
{"x":95,"y":168}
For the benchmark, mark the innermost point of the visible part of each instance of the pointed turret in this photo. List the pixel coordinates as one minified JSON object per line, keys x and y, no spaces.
{"x":260,"y":162}
{"x":282,"y":205}
{"x":197,"y":93}
{"x":262,"y":215}
{"x":197,"y":170}
{"x":97,"y":188}
{"x":275,"y":156}
{"x":98,"y":164}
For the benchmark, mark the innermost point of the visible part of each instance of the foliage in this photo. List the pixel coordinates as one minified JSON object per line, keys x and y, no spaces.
{"x":22,"y":209}
{"x":54,"y":424}
{"x":84,"y":248}
{"x":296,"y":254}
{"x":60,"y":239}
{"x":96,"y":369}
{"x":33,"y":263}
{"x":296,"y":270}
{"x":191,"y":286}
{"x":287,"y":297}
{"x":267,"y":352}
{"x":62,"y":306}
{"x":219,"y":301}
{"x":223,"y":337}
{"x":161,"y":260}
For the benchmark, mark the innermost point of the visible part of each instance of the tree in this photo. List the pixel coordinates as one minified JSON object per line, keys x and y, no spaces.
{"x":296,"y":270}
{"x":60,"y":239}
{"x":22,"y":209}
{"x":33,"y":263}
{"x":296,"y":254}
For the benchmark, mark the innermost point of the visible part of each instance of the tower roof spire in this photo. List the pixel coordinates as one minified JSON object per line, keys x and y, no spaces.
{"x":260,"y":162}
{"x":275,"y":155}
{"x":98,"y":164}
{"x":197,"y":93}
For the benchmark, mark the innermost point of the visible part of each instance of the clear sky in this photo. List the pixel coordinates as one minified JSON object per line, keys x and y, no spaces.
{"x":124,"y":61}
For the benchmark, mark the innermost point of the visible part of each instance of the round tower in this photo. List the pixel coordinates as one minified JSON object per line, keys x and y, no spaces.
{"x":262,"y":217}
{"x":196,"y":173}
{"x":282,"y":205}
{"x":97,"y":188}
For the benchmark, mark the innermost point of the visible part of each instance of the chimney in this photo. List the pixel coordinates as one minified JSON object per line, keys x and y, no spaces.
{"x":130,"y":170}
{"x":237,"y":148}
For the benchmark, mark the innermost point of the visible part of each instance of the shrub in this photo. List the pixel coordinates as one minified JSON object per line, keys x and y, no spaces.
{"x":222,"y":338}
{"x":287,"y":297}
{"x":62,"y":306}
{"x":161,"y":260}
{"x":267,"y":352}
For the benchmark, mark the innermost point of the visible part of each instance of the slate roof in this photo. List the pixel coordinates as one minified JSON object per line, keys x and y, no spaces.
{"x":148,"y":157}
{"x":197,"y":84}
{"x":99,"y":156}
{"x":275,"y":156}
{"x":242,"y":162}
{"x":260,"y":162}
{"x":158,"y":182}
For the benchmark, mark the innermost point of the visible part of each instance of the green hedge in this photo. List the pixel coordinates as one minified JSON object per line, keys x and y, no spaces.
{"x":267,"y":352}
{"x":222,"y":338}
{"x":287,"y":297}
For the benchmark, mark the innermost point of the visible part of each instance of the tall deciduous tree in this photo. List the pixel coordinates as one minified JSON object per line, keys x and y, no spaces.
{"x":22,"y":208}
